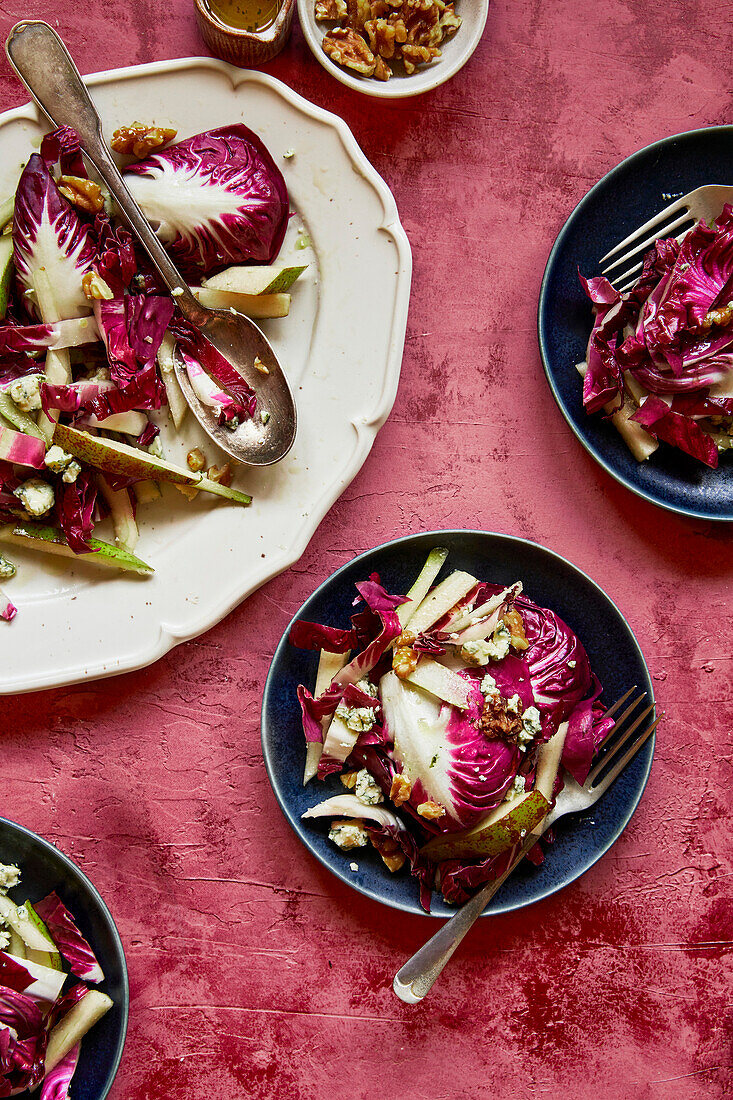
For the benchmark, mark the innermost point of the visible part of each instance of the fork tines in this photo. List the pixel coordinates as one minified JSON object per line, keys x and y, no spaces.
{"x":621,"y":737}
{"x":676,"y":216}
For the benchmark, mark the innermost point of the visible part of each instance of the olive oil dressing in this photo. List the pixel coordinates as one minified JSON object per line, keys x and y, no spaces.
{"x":247,"y":15}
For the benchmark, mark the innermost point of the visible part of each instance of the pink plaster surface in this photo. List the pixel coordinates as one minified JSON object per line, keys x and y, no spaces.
{"x":253,"y":972}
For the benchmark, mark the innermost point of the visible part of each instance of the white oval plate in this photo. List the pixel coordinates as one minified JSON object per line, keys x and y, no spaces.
{"x":341,"y":347}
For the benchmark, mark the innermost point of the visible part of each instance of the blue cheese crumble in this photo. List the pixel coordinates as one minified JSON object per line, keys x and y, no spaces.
{"x":366,"y":790}
{"x":359,"y":719}
{"x":59,"y":462}
{"x":7,"y":569}
{"x":26,"y":392}
{"x":36,"y":496}
{"x":9,"y":877}
{"x":531,"y":725}
{"x":476,"y":653}
{"x":348,"y":834}
{"x":489,"y":686}
{"x":499,"y":642}
{"x":517,"y":789}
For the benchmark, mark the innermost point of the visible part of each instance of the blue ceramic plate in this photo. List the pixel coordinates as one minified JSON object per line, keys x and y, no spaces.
{"x":43,"y":869}
{"x":628,"y":196}
{"x":550,"y":581}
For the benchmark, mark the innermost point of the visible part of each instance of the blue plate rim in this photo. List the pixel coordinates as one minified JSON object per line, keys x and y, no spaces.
{"x":593,"y":451}
{"x":415,"y":907}
{"x":76,"y":870}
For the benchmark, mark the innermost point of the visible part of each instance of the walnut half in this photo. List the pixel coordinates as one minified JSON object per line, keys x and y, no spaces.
{"x":331,"y":11}
{"x":95,"y":288}
{"x":431,"y":810}
{"x":514,"y":621}
{"x":392,"y":855}
{"x":82,"y":193}
{"x":138,"y":140}
{"x":349,"y":49}
{"x":400,"y":790}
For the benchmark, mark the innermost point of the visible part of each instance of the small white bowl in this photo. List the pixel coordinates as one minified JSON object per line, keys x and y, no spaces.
{"x":456,"y":52}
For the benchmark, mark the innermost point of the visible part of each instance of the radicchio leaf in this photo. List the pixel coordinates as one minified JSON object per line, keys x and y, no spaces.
{"x":676,"y":428}
{"x":8,"y":610}
{"x":52,"y":247}
{"x":75,"y":511}
{"x":307,"y":635}
{"x":216,"y":198}
{"x":21,"y":1054}
{"x":62,"y":147}
{"x":55,"y":1085}
{"x":587,"y":727}
{"x":68,"y":938}
{"x":193,"y":344}
{"x":13,"y":974}
{"x":315,"y":710}
{"x":674,"y":350}
{"x":116,"y":262}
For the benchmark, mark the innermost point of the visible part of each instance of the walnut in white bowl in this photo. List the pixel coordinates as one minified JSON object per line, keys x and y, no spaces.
{"x":377,"y":38}
{"x":414,"y":45}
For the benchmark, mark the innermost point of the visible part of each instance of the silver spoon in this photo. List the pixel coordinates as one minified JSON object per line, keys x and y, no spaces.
{"x":43,"y":63}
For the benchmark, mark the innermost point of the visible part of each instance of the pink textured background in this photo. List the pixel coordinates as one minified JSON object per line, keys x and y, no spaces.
{"x":254,"y":973}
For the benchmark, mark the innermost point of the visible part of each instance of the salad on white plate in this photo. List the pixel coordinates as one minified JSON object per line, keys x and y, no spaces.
{"x":88,"y":336}
{"x":46,"y":1005}
{"x":450,"y":715}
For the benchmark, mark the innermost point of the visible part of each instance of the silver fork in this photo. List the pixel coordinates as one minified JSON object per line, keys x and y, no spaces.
{"x":415,"y":979}
{"x":703,"y":204}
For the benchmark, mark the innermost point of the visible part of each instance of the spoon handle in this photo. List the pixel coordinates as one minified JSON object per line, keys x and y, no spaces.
{"x":43,"y":63}
{"x":416,"y":978}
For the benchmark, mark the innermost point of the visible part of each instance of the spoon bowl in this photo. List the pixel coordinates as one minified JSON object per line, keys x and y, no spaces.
{"x":260,"y":440}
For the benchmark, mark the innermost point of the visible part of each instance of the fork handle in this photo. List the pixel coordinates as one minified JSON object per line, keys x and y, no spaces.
{"x":45,"y":66}
{"x":415,"y":979}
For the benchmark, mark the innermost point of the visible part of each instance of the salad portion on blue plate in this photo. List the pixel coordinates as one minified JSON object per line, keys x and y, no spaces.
{"x":656,"y":403}
{"x":449,"y":715}
{"x":46,"y":1003}
{"x":660,"y":356}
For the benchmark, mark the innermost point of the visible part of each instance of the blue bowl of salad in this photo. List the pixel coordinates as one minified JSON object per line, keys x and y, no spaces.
{"x":665,"y":433}
{"x":64,"y":994}
{"x":395,"y":731}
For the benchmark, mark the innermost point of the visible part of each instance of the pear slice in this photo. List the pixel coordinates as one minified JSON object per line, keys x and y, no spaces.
{"x":18,"y":419}
{"x":20,"y":920}
{"x":146,"y":492}
{"x":328,"y":665}
{"x":6,"y":271}
{"x":421,"y":587}
{"x":505,"y":827}
{"x":7,"y":209}
{"x":640,"y":442}
{"x":117,"y":458}
{"x":50,"y":957}
{"x":47,"y":981}
{"x":255,"y":280}
{"x":37,"y":536}
{"x":443,"y":683}
{"x":177,"y":404}
{"x":17,"y":948}
{"x":441,"y":600}
{"x":127,"y":533}
{"x":72,"y":1027}
{"x":251,"y":305}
